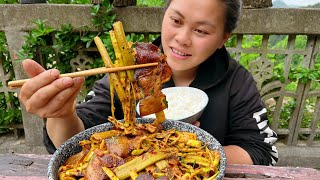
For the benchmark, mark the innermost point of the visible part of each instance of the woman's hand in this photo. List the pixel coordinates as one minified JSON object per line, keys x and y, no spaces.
{"x":47,"y":95}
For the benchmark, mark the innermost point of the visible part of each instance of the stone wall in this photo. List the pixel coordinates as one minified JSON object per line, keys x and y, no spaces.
{"x":257,"y":3}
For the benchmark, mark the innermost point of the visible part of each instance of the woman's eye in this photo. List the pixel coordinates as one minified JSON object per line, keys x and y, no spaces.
{"x":201,"y":31}
{"x":176,"y":21}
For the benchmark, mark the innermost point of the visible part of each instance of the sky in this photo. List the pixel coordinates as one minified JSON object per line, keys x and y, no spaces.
{"x":300,"y":2}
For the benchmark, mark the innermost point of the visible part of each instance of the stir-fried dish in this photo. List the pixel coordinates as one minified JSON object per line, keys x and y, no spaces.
{"x":140,"y":151}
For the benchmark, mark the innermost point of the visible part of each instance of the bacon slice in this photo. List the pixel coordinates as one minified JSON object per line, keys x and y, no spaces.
{"x":150,"y":79}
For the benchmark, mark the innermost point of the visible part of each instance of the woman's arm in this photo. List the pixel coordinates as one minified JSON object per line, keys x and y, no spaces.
{"x":59,"y":130}
{"x":237,"y":155}
{"x":248,"y":124}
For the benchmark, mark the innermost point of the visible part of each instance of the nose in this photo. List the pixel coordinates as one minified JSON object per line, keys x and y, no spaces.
{"x":183,"y":37}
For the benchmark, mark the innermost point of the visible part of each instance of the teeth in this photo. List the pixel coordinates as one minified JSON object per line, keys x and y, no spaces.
{"x":178,"y":52}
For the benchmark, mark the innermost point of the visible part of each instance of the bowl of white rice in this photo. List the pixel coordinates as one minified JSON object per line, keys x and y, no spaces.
{"x":184,"y":104}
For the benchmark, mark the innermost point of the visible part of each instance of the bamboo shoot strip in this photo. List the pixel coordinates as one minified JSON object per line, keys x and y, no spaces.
{"x":139,"y":163}
{"x":128,"y":59}
{"x":119,"y":59}
{"x":103,"y":52}
{"x":114,"y":79}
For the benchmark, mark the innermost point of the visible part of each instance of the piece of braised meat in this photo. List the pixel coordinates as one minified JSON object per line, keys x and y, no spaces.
{"x":122,"y":145}
{"x":99,"y":160}
{"x":145,"y":176}
{"x":150,"y":79}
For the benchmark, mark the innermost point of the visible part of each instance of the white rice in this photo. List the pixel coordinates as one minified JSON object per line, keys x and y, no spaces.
{"x":183,"y":102}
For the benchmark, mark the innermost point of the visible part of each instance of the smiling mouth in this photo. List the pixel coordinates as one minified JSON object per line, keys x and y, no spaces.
{"x":179,"y":53}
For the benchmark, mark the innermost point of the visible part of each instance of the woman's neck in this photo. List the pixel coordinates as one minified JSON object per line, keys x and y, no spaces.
{"x":184,"y":78}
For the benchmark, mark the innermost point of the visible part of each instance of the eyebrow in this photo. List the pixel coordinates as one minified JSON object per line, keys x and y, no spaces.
{"x":178,"y":12}
{"x":206,"y":23}
{"x":199,"y":22}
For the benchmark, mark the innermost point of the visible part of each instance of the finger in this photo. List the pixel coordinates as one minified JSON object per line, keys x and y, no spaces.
{"x":32,"y":68}
{"x":38,"y":82}
{"x":41,"y":97}
{"x":64,"y":103}
{"x":70,"y":104}
{"x":196,"y":123}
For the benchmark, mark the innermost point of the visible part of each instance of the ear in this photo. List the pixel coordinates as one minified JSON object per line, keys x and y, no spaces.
{"x":226,"y":36}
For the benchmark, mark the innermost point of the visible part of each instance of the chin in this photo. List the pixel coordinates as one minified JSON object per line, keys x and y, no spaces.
{"x":176,"y":67}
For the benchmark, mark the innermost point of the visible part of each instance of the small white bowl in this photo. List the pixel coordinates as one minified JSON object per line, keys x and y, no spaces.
{"x":184,"y":104}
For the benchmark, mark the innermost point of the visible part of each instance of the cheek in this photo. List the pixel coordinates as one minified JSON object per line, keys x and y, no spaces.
{"x":165,"y":45}
{"x":205,"y":48}
{"x":166,"y":31}
{"x":167,"y":35}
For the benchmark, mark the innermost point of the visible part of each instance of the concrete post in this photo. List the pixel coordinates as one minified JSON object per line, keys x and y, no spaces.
{"x":33,"y":125}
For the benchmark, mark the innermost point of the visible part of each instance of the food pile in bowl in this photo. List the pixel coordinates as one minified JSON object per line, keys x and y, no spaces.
{"x":139,"y":148}
{"x":177,"y":151}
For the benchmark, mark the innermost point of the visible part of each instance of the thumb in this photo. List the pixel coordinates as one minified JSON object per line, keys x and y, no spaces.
{"x":196,"y":123}
{"x":32,"y":68}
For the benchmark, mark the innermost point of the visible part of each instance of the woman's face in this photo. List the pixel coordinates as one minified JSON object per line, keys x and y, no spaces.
{"x":192,"y":30}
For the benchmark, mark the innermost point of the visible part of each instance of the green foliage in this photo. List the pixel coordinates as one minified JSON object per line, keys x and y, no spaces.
{"x":9,"y":1}
{"x":50,"y":1}
{"x":9,"y":114}
{"x":304,"y":74}
{"x":301,"y":42}
{"x":153,"y":3}
{"x":37,"y":40}
{"x":252,"y":41}
{"x":297,"y":73}
{"x":278,"y":42}
{"x":135,"y":37}
{"x":103,"y":18}
{"x":4,"y":56}
{"x":69,"y":1}
{"x":9,"y":105}
{"x":57,"y":53}
{"x":232,"y":41}
{"x":286,"y":112}
{"x":68,"y":40}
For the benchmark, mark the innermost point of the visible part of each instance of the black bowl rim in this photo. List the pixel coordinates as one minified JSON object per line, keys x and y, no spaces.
{"x":65,"y":149}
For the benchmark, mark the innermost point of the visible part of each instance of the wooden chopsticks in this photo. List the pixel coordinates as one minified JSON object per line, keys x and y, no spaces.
{"x":90,"y":72}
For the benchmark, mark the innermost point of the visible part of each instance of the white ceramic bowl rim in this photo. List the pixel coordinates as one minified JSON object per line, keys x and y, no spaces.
{"x":192,"y":90}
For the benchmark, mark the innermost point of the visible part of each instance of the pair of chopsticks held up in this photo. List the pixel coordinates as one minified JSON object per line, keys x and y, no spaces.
{"x":91,"y":72}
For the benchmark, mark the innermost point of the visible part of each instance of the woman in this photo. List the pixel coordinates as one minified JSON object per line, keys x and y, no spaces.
{"x":194,"y":45}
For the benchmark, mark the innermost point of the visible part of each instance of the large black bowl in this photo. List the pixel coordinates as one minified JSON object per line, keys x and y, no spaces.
{"x":71,"y":146}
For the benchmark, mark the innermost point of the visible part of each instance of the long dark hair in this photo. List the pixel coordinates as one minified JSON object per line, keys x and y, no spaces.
{"x":232,"y":13}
